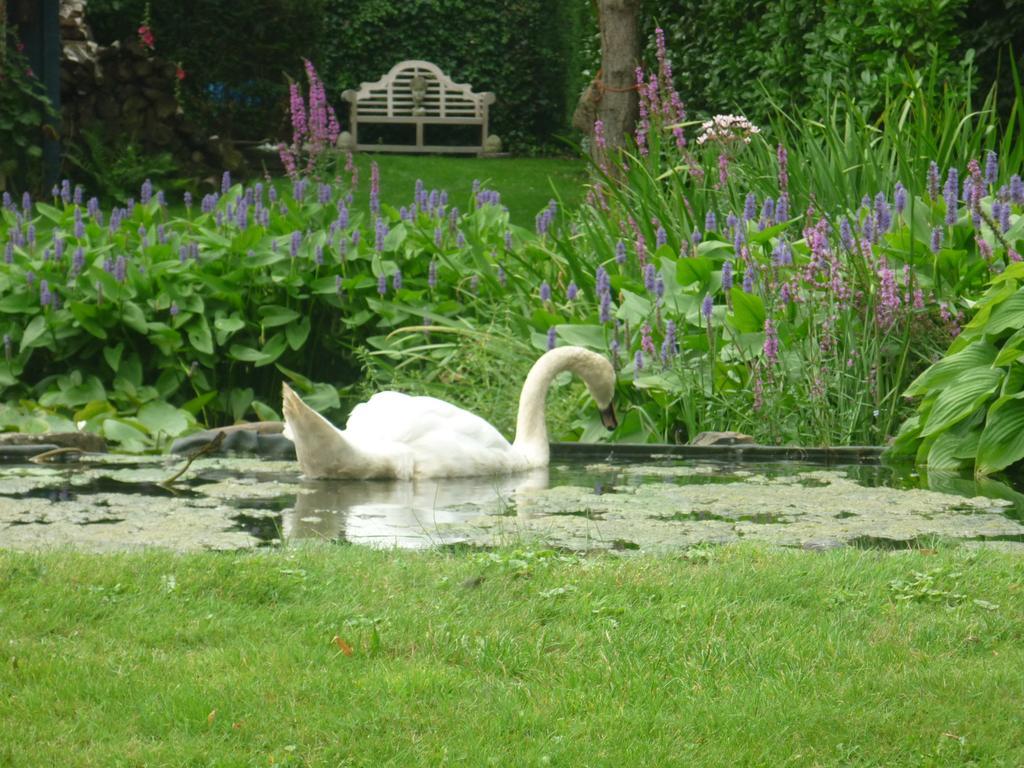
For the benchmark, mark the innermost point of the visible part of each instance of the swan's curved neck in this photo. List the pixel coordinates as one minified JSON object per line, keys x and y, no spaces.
{"x":531,"y":430}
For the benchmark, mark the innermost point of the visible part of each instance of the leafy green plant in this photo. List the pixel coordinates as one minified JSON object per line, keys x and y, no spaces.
{"x":25,"y":114}
{"x":116,"y":168}
{"x":972,"y":401}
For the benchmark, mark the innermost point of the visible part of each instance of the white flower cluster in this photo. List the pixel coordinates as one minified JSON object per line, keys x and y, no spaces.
{"x":727,"y":128}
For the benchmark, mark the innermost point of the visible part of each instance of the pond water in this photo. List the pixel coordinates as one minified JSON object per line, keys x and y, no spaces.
{"x":106,"y":503}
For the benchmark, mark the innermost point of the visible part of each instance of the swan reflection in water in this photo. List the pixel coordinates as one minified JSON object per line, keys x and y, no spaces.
{"x":386,"y":513}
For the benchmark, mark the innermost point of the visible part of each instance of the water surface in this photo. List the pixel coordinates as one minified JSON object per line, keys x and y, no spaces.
{"x":114,"y":503}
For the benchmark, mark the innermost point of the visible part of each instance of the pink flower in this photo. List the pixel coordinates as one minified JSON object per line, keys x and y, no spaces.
{"x":146,"y":37}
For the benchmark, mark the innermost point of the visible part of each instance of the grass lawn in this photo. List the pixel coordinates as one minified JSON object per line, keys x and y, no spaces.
{"x":330,"y":656}
{"x":526,"y":184}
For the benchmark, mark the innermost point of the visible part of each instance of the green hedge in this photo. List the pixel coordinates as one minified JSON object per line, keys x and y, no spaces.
{"x":803,"y":50}
{"x":239,"y":55}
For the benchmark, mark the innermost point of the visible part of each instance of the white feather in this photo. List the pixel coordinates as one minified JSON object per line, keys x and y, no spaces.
{"x":399,"y":436}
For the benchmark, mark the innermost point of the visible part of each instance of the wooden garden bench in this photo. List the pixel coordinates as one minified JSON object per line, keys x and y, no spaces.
{"x":418,"y":93}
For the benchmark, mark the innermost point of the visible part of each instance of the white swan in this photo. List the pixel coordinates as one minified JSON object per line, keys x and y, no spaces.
{"x":401,"y":437}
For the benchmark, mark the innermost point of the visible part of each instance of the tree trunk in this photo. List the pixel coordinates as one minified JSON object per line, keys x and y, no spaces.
{"x":612,"y":99}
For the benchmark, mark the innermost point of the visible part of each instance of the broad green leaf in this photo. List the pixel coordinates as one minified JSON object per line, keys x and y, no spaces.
{"x":133,"y":317}
{"x":85,"y":314}
{"x":272,"y":350}
{"x":961,"y":398}
{"x":324,"y":397}
{"x":1007,"y":314}
{"x":113,"y":356}
{"x":239,"y":401}
{"x":748,"y":312}
{"x":394,"y":238}
{"x":273,"y":315}
{"x":163,"y":417}
{"x":229,"y":324}
{"x":73,"y":395}
{"x":1002,"y":440}
{"x":195,"y":405}
{"x":199,"y":335}
{"x":941,"y":454}
{"x":33,"y":333}
{"x":693,"y":270}
{"x":245,"y":354}
{"x":130,"y":438}
{"x":980,"y":354}
{"x":592,"y":336}
{"x":264,"y":412}
{"x":297,"y":333}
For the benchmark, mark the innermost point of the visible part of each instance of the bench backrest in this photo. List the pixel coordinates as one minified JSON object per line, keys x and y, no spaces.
{"x":437,"y":94}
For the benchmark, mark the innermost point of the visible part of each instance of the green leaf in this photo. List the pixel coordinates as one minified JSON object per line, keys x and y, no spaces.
{"x":163,"y":417}
{"x":264,"y":412}
{"x":85,"y":314}
{"x":199,"y":335}
{"x":134,"y":317}
{"x":1002,"y":440}
{"x":591,"y":336}
{"x":229,"y":324}
{"x":33,"y":333}
{"x":324,"y":397}
{"x":394,"y":238}
{"x":297,"y":333}
{"x":113,"y":356}
{"x":245,"y":354}
{"x":748,"y":312}
{"x":273,"y":315}
{"x":694,"y":270}
{"x":272,"y":350}
{"x":980,"y":354}
{"x":195,"y":405}
{"x":130,"y":438}
{"x":961,"y":398}
{"x":1008,"y":314}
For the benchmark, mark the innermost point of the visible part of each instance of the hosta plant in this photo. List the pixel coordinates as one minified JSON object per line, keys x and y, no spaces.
{"x":971,"y":412}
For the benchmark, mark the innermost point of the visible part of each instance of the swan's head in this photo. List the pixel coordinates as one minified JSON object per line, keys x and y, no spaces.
{"x":599,"y":376}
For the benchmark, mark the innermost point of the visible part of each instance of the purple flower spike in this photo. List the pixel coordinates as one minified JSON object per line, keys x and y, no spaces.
{"x":552,"y":337}
{"x":432,"y":275}
{"x":727,"y":276}
{"x":933,"y":181}
{"x":900,"y":198}
{"x":936,"y":243}
{"x":649,"y":278}
{"x":545,"y":291}
{"x":750,"y":207}
{"x":295,"y":243}
{"x":45,"y":297}
{"x":396,"y":280}
{"x":991,"y":168}
{"x":620,"y":252}
{"x":1017,"y":189}
{"x":771,"y":342}
{"x":382,"y":284}
{"x":571,"y":292}
{"x":709,"y":222}
{"x":174,"y":310}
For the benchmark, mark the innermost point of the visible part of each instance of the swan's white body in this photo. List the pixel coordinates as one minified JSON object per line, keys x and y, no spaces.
{"x":398,"y":436}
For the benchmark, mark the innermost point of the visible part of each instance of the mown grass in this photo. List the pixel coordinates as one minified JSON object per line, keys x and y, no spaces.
{"x":526,"y":184}
{"x":732,"y":656}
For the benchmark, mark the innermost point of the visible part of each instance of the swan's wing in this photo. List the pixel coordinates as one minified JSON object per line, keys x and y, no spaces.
{"x":444,"y":440}
{"x":395,"y":417}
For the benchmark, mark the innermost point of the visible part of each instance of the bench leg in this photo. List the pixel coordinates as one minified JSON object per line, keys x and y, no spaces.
{"x":419,"y":135}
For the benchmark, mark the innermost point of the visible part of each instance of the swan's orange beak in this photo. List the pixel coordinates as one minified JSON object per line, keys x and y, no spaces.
{"x":608,"y":418}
